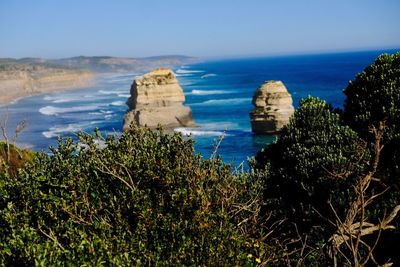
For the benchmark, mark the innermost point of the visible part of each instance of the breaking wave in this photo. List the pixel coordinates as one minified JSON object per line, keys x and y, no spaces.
{"x":118,"y":103}
{"x":124,"y":95}
{"x":194,"y":132}
{"x":181,"y":71}
{"x":208,"y":75}
{"x":51,"y":110}
{"x":57,"y":130}
{"x":64,"y":99}
{"x":208,"y":92}
{"x":232,"y":101}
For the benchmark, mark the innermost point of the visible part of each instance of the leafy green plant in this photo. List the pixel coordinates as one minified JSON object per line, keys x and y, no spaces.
{"x":313,"y":158}
{"x":141,"y":199}
{"x":311,"y":168}
{"x":373,"y":97}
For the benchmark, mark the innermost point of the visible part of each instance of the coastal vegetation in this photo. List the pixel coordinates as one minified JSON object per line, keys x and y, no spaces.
{"x":326,"y":193}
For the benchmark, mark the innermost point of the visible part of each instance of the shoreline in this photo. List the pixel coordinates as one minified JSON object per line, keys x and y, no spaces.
{"x":21,"y":93}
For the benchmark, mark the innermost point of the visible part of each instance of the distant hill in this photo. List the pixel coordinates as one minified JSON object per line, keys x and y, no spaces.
{"x":103,"y":64}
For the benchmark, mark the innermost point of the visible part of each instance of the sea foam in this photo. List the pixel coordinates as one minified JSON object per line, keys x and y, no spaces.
{"x":118,"y":103}
{"x":57,"y":130}
{"x":209,"y":92}
{"x":193,"y":132}
{"x":231,"y":101}
{"x":64,"y":99}
{"x":208,"y":75}
{"x":181,"y":71}
{"x":51,"y":110}
{"x":124,"y":95}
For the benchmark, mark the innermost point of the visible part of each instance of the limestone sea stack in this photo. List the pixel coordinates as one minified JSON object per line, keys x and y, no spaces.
{"x":273,"y":108}
{"x":157,"y":99}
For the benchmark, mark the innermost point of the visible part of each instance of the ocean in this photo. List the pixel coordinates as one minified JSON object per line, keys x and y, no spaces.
{"x":218,"y":91}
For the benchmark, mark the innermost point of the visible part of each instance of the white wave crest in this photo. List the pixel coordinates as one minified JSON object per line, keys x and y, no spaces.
{"x":231,"y":101}
{"x":186,"y":84}
{"x":181,"y":71}
{"x":208,"y":92}
{"x":57,"y":130}
{"x":51,"y":110}
{"x":124,"y":95}
{"x":194,"y":132}
{"x":106,"y":111}
{"x":63,"y":99}
{"x":118,"y":103}
{"x":104,"y":92}
{"x":208,"y":75}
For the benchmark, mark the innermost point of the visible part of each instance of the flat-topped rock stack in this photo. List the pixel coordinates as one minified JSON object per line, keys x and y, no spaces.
{"x":157,"y":99}
{"x":273,"y":108}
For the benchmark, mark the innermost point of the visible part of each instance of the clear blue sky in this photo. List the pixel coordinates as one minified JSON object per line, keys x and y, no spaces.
{"x":63,"y":28}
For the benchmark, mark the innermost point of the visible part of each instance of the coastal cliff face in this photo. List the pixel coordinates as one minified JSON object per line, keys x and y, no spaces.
{"x":273,"y":108}
{"x":23,"y":80}
{"x":157,"y":99}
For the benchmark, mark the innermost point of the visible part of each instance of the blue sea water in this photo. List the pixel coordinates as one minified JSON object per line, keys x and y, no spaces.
{"x":219,"y":93}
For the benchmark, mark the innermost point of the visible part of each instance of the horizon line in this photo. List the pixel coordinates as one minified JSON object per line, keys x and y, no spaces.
{"x":231,"y":56}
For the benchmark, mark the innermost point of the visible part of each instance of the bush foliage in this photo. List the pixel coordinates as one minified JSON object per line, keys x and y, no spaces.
{"x":312,"y":163}
{"x":325,"y":193}
{"x":319,"y":160}
{"x":143,"y":199}
{"x":374,"y":96}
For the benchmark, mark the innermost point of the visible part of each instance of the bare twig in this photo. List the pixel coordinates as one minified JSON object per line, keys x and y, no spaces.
{"x":20,"y":127}
{"x":52,"y":237}
{"x":5,"y":136}
{"x":351,"y":230}
{"x":217,"y":146}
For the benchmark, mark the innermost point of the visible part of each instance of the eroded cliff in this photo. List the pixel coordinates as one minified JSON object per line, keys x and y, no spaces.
{"x":273,"y":108}
{"x":157,"y":99}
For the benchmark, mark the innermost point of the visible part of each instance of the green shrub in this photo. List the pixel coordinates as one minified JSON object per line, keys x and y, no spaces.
{"x":311,"y":171}
{"x":311,"y":162}
{"x":372,"y":97}
{"x":143,"y":199}
{"x":312,"y":165}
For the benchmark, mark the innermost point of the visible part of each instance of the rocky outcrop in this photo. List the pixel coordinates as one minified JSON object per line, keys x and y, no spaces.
{"x":24,"y":80}
{"x":157,"y":99}
{"x":273,"y":108}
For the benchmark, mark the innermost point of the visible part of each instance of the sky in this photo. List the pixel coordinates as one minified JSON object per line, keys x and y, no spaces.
{"x":204,"y":28}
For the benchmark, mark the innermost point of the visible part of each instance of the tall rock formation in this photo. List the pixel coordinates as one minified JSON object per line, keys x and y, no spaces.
{"x":157,"y":99}
{"x":273,"y":108}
